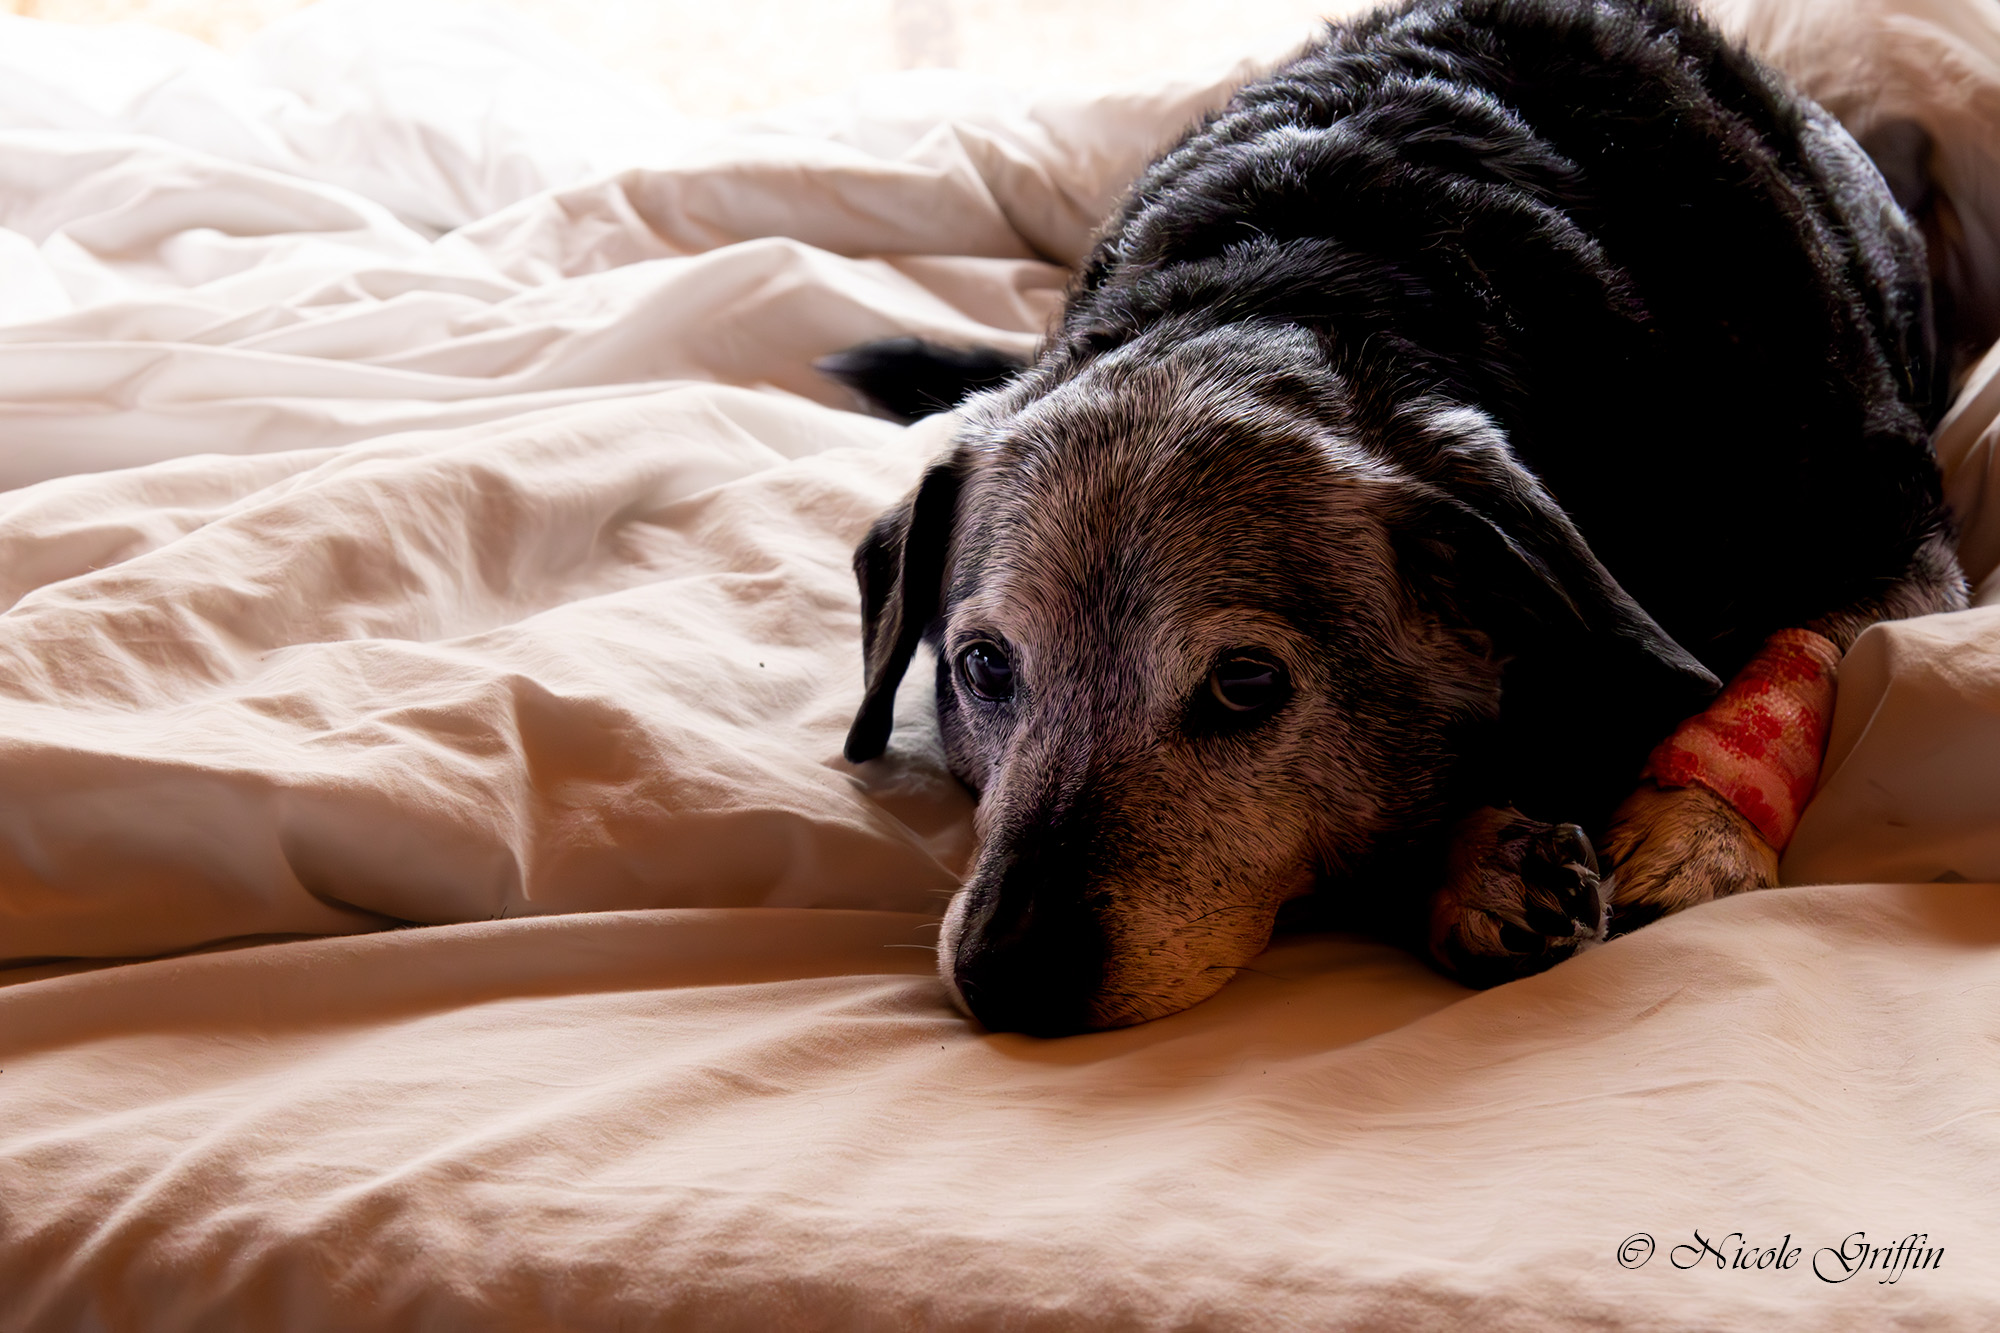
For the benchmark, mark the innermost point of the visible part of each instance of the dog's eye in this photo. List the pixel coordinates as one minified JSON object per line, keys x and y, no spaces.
{"x":987,"y":672}
{"x":1246,"y":684}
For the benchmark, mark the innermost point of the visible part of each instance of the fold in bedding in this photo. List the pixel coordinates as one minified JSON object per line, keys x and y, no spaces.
{"x":578,"y":661}
{"x":427,"y":534}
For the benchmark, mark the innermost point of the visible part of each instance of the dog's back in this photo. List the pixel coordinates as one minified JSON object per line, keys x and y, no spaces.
{"x":1682,"y":290}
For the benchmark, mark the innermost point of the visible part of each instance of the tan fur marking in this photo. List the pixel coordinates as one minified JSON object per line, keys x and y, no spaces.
{"x":1670,"y":849}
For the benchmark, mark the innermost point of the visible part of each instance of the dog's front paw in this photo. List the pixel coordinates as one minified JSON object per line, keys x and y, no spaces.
{"x":1675,"y":847}
{"x":1519,"y":897}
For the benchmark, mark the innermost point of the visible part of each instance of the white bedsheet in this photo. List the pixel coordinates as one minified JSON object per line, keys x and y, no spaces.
{"x":478,"y":561}
{"x":390,"y":675}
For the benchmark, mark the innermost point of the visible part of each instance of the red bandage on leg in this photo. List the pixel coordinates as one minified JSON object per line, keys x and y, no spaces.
{"x":1759,"y":745}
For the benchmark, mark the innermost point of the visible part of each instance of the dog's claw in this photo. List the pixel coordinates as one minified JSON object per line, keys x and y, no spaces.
{"x":1519,"y":897}
{"x":1548,"y":920}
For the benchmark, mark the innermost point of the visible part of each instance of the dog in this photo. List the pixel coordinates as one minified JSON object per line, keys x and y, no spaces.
{"x":1430,"y":431}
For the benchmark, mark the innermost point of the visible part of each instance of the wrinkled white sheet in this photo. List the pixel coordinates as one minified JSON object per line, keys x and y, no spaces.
{"x":369,"y":674}
{"x":202,"y":256}
{"x":480,"y":554}
{"x":770,"y":1120}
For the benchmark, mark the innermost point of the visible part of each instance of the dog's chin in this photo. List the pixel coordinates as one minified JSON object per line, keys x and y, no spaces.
{"x":1161,"y":998}
{"x":1158,"y":973}
{"x":1151,"y":973}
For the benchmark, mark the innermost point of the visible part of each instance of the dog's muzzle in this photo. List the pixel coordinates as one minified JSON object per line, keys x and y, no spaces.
{"x":1021,"y":951}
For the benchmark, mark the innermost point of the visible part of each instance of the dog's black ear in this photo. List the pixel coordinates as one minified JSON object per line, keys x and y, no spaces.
{"x":1591,"y":681}
{"x":900,"y":567}
{"x":1505,"y":559}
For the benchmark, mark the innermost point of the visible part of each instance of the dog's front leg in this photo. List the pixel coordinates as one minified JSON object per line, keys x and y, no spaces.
{"x":1677,"y":847}
{"x":1518,"y":896}
{"x":1720,"y":797}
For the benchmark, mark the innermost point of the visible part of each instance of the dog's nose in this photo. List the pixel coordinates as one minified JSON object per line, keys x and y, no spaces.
{"x":1031,"y":956}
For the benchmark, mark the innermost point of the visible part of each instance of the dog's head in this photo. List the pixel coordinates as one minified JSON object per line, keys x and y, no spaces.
{"x":1208,"y":629}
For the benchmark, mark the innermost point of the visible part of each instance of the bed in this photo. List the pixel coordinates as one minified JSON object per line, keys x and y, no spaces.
{"x":430,"y":893}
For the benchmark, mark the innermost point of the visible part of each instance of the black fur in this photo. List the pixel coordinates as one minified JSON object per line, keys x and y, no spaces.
{"x":1603,"y":225}
{"x":908,"y":378}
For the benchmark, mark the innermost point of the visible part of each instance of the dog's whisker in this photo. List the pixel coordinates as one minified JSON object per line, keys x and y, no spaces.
{"x":1235,"y":968}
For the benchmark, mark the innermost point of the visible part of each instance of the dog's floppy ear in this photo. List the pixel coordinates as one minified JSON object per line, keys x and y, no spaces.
{"x":1511,"y":563}
{"x":1591,"y":682}
{"x":900,"y":567}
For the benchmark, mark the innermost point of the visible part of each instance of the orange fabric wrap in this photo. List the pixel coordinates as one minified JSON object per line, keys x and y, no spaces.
{"x":1759,"y":745}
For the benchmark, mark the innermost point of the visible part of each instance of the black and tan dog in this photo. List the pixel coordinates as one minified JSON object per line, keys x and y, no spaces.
{"x":1427,"y":434}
